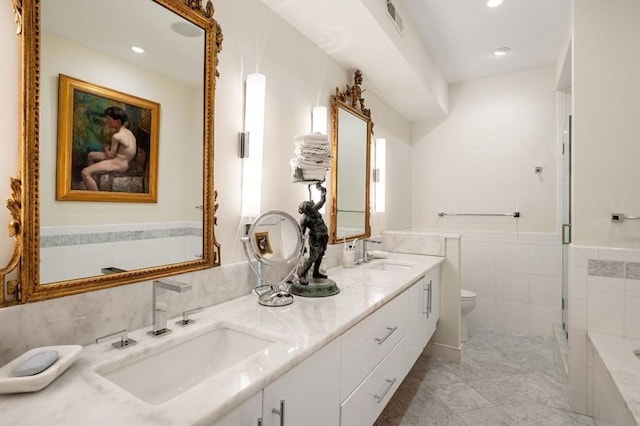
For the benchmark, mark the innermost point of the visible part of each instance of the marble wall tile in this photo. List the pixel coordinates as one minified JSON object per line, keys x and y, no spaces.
{"x":414,"y":243}
{"x":95,"y":235}
{"x":632,"y":271}
{"x":606,"y":268}
{"x":80,"y":319}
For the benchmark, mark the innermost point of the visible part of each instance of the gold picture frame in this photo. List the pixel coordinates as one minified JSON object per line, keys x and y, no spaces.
{"x":86,"y":133}
{"x":262,"y":243}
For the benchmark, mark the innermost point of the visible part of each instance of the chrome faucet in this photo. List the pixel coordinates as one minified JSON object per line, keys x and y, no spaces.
{"x":159,"y":306}
{"x":365,"y":256}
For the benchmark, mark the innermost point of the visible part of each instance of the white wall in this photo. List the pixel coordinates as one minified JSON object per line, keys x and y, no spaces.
{"x":9,"y":160}
{"x":606,"y":130}
{"x":179,"y":143}
{"x":517,"y":279}
{"x":481,"y":158}
{"x":299,"y":77}
{"x":606,"y":179}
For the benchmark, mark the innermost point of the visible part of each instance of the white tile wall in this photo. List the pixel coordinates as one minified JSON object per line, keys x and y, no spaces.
{"x":605,"y":313}
{"x":89,"y":259}
{"x":512,"y":315}
{"x":518,"y":279}
{"x":598,"y":304}
{"x":632,"y":317}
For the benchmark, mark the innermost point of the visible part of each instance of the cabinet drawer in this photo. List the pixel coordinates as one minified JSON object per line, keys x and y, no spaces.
{"x":366,"y":403}
{"x":247,"y":414}
{"x":364,"y":345}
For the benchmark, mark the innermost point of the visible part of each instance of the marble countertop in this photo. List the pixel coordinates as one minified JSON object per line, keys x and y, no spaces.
{"x":81,"y":396}
{"x":618,"y":356}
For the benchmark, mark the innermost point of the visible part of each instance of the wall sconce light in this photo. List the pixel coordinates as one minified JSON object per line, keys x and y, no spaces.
{"x":379,"y":174}
{"x":253,"y":138}
{"x":319,"y":120}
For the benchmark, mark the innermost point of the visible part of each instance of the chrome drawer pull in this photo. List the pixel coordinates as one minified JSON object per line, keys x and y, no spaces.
{"x":280,"y":412}
{"x":430,"y":294}
{"x":381,"y":340}
{"x":389,"y":386}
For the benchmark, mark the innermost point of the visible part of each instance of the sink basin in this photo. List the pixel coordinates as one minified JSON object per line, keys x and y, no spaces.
{"x":158,"y":377}
{"x":391,"y":265}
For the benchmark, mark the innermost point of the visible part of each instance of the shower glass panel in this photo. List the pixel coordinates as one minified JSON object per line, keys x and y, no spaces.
{"x":566,"y":220}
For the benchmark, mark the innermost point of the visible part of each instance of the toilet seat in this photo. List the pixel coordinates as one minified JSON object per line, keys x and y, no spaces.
{"x":467,"y":294}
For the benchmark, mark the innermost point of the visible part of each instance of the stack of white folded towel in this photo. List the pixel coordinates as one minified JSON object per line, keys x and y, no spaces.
{"x":313,"y":158}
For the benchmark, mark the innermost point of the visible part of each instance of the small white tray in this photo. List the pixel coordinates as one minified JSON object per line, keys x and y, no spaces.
{"x":9,"y":383}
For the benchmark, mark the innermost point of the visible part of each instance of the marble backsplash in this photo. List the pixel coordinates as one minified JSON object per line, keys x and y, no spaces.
{"x":415,"y":242}
{"x":80,"y":319}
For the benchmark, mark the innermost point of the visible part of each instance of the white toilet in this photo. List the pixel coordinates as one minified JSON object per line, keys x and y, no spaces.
{"x":467,"y":303}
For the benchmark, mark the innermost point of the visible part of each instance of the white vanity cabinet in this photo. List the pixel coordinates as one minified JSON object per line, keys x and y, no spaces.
{"x":430,"y":303}
{"x":369,"y":341}
{"x":349,"y":381}
{"x":377,"y":354}
{"x":249,"y":413}
{"x":309,"y":394}
{"x":424,"y":309}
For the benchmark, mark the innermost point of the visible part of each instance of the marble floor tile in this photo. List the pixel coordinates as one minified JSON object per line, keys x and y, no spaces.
{"x":461,"y":397}
{"x":509,"y":389}
{"x":505,"y":378}
{"x":491,"y":416}
{"x":411,"y":406}
{"x":539,"y":414}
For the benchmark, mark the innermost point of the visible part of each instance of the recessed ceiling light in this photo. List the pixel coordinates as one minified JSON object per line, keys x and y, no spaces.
{"x":494,"y":3}
{"x":137,"y":49}
{"x":501,"y":51}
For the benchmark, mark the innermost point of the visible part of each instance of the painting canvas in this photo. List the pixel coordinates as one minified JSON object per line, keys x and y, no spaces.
{"x":262,"y":243}
{"x":107,"y":144}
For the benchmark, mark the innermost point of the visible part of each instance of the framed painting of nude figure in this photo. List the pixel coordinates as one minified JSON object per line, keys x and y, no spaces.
{"x":107,"y":144}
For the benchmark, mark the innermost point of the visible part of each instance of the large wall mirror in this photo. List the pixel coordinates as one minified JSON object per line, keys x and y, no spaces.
{"x":350,"y":171}
{"x":153,"y":212}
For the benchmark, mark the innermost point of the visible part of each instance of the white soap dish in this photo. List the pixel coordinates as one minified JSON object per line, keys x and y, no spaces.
{"x":10,"y":383}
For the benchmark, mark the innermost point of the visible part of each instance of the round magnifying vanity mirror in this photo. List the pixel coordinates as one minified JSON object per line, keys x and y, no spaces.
{"x":273,"y":246}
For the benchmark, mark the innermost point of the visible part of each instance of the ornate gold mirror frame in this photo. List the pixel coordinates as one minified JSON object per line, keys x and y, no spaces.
{"x":351,"y":168}
{"x":20,"y":278}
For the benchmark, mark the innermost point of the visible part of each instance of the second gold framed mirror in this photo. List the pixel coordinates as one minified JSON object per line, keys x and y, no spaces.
{"x":351,"y":168}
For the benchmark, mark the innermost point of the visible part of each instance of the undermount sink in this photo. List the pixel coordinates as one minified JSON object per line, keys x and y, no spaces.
{"x":391,"y":265}
{"x":160,"y":376}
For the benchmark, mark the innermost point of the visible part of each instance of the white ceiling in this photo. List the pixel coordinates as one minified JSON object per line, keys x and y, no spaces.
{"x":93,"y":24}
{"x":443,"y":40}
{"x":462,"y":34}
{"x":453,"y":39}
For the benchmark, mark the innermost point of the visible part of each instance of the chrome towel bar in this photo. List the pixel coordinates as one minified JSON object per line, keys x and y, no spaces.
{"x":621,"y":217}
{"x":514,"y":214}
